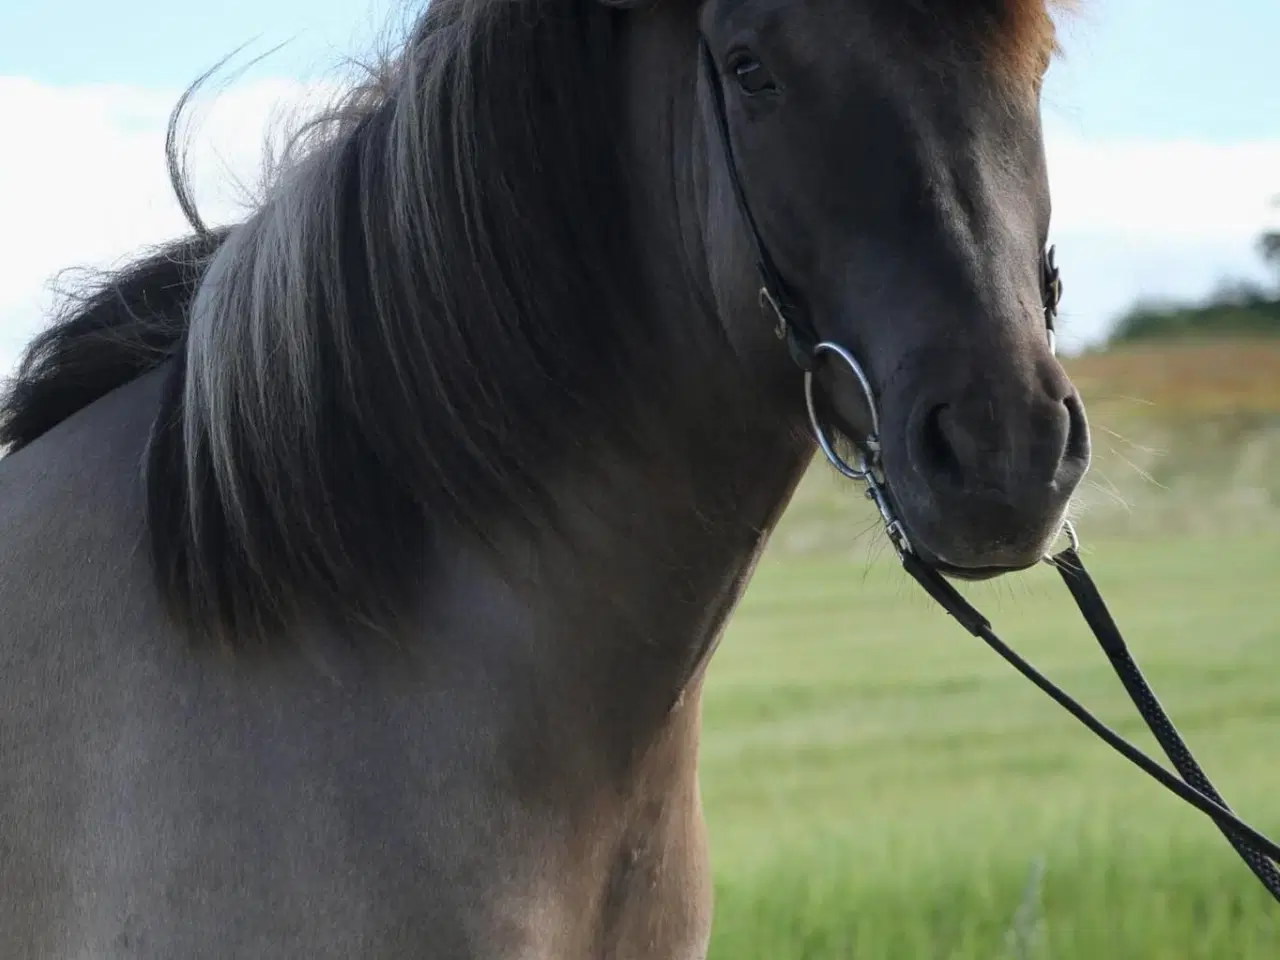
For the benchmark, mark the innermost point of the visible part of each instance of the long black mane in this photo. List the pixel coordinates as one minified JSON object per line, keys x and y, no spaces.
{"x":432,"y":301}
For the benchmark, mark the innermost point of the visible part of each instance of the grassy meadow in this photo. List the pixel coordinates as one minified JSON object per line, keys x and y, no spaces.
{"x":879,"y":784}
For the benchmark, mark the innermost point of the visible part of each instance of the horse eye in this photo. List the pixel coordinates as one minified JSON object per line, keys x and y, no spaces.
{"x":752,"y":77}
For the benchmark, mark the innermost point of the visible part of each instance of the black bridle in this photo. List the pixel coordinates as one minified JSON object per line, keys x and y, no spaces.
{"x":795,"y":327}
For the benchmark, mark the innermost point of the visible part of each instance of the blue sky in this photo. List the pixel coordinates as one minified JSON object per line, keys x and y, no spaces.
{"x":1171,"y":68}
{"x":1164,"y":133}
{"x":1159,"y":68}
{"x":160,"y":43}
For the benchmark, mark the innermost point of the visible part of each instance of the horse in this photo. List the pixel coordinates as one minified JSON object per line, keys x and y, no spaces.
{"x":361,"y":561}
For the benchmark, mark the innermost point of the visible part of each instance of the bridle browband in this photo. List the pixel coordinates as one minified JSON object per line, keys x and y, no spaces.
{"x":795,"y":328}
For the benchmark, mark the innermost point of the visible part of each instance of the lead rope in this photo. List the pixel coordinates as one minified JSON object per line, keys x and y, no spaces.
{"x":1095,"y":612}
{"x":1256,"y":849}
{"x":793,"y":326}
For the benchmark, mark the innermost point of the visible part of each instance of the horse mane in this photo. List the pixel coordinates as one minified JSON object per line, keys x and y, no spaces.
{"x":431,"y":303}
{"x":1018,"y":38}
{"x":1022,"y":36}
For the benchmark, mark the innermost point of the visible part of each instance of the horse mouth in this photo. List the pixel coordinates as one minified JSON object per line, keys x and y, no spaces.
{"x":976,"y":574}
{"x":840,"y":427}
{"x":971,"y":572}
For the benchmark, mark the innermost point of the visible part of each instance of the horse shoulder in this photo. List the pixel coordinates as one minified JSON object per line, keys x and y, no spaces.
{"x":71,"y":575}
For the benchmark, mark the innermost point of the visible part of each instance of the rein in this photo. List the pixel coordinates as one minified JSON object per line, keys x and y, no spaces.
{"x":806,"y":348}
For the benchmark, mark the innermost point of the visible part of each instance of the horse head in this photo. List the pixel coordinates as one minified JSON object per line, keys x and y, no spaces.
{"x":874,"y":173}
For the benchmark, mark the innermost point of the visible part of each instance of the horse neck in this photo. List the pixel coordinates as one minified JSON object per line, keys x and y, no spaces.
{"x":667,"y":518}
{"x":654,"y":551}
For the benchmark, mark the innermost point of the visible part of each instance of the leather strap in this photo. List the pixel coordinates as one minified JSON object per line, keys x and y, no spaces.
{"x":1257,"y":850}
{"x":794,"y":325}
{"x":1096,"y":614}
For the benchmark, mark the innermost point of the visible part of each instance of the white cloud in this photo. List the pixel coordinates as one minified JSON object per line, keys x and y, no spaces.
{"x":1168,"y":189}
{"x":1164,"y":219}
{"x":85,"y":184}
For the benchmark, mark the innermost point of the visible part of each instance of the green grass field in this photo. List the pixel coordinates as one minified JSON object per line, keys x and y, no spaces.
{"x":879,"y":784}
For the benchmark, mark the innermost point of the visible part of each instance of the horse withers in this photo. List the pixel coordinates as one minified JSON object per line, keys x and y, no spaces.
{"x":360,"y":563}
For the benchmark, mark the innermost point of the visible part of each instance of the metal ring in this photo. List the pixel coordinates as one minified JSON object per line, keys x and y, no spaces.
{"x":869,"y":446}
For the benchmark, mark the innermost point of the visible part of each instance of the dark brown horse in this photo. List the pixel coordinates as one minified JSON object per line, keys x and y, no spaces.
{"x":359,"y":564}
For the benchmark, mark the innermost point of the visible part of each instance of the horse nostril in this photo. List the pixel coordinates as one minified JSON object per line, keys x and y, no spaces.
{"x":935,"y":451}
{"x":1075,"y":453}
{"x":1077,"y":447}
{"x":1017,"y":451}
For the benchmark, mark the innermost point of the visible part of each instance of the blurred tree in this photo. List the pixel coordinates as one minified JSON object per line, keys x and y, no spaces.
{"x":1236,"y":307}
{"x":1269,"y":245}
